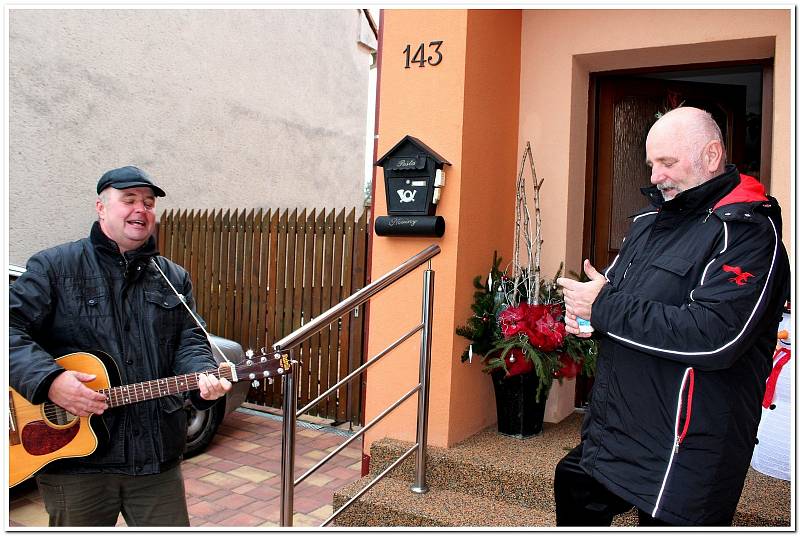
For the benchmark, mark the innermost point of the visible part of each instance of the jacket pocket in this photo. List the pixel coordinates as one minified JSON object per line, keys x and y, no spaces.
{"x":162,"y":311}
{"x":667,"y":279}
{"x":173,"y":422}
{"x":676,"y":265}
{"x":92,"y":303}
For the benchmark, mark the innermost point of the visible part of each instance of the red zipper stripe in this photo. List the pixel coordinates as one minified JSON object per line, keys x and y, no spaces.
{"x":688,"y":407}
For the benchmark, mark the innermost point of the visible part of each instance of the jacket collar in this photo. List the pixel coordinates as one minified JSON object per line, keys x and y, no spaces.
{"x":105,"y":245}
{"x":702,"y":197}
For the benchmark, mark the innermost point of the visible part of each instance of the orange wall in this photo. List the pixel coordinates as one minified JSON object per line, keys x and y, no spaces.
{"x":560,"y":48}
{"x":489,"y":171}
{"x":465,"y":109}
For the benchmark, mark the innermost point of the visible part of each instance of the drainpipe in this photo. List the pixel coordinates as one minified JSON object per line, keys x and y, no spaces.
{"x":379,"y":54}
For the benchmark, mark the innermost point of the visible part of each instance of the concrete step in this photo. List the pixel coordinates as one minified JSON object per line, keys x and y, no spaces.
{"x":517,"y":471}
{"x":513,"y":473}
{"x":391,"y":503}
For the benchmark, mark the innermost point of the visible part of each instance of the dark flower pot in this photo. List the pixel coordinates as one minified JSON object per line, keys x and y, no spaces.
{"x":518,"y":413}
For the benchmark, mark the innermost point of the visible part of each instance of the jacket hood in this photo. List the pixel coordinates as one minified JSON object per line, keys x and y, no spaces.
{"x":749,"y":190}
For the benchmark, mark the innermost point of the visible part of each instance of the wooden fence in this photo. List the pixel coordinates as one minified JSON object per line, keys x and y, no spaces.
{"x":259,"y":275}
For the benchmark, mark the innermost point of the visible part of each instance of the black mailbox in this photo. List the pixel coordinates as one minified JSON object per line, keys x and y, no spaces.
{"x":413,"y":175}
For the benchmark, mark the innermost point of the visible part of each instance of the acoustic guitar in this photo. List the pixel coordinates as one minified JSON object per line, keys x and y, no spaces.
{"x":42,"y":433}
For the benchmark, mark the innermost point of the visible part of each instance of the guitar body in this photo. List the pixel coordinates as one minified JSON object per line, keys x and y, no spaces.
{"x":40,"y":434}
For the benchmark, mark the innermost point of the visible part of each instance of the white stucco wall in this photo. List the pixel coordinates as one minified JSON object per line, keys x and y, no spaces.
{"x":224,"y":108}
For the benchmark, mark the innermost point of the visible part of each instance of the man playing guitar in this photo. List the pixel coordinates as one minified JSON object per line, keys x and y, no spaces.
{"x":111,"y":293}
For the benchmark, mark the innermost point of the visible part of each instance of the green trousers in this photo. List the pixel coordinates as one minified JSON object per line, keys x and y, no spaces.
{"x":96,"y":500}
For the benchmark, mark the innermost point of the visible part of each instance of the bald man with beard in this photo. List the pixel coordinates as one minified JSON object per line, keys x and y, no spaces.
{"x":686,"y":318}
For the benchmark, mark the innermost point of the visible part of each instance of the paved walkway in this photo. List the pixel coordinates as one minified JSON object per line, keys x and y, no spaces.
{"x":236,"y":481}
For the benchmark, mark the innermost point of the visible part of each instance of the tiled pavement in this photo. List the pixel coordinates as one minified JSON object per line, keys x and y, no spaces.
{"x":236,"y":481}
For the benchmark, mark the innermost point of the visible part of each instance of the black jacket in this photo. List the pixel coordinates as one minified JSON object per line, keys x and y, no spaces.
{"x":688,"y":324}
{"x":85,"y":296}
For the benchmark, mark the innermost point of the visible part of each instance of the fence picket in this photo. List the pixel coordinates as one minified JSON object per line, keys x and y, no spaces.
{"x":357,"y":326}
{"x":203,"y":269}
{"x":245,"y":273}
{"x":336,"y":296}
{"x":308,"y":281}
{"x":256,"y":337}
{"x":316,"y":307}
{"x":272,"y":274}
{"x":344,"y":394}
{"x":327,"y":302}
{"x":215,"y":222}
{"x":297,"y":298}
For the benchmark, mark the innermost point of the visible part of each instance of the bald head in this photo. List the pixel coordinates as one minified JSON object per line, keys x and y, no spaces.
{"x":695,"y":127}
{"x":684,"y":149}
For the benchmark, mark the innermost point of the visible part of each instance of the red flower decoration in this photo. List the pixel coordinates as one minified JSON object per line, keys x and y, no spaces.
{"x":540,"y":323}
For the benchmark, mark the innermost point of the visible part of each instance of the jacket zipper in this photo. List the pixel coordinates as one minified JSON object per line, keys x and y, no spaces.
{"x":680,"y":435}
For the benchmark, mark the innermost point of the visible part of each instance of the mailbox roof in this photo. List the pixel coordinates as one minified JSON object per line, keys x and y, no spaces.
{"x":421,"y":146}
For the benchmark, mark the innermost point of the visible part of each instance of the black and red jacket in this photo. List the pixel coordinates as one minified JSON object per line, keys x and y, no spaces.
{"x":687,"y":326}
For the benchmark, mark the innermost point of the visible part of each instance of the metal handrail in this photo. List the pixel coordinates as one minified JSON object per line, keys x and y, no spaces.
{"x":348,"y":304}
{"x":422,"y":388}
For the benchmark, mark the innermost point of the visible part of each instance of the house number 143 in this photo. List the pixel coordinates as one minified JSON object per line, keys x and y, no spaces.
{"x":419,"y":55}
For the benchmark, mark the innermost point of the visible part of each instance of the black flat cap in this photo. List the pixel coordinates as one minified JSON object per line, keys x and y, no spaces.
{"x":127,"y":177}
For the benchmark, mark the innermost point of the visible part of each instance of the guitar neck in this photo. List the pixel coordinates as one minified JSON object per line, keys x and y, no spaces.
{"x":149,"y":390}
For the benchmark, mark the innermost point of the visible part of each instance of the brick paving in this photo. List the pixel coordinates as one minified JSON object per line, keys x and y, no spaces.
{"x":236,"y":481}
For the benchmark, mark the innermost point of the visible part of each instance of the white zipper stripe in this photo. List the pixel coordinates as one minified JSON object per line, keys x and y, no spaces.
{"x":724,"y":247}
{"x":674,"y":441}
{"x":645,"y":214}
{"x":610,"y":267}
{"x":746,"y":324}
{"x":725,"y":226}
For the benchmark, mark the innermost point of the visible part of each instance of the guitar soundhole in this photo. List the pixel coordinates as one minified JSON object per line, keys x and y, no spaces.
{"x":46,"y":436}
{"x":56,"y":415}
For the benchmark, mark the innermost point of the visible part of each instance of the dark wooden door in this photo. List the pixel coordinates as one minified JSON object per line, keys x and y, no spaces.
{"x":625,"y":109}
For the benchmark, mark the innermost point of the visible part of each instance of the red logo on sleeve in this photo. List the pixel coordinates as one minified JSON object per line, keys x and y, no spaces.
{"x":740,"y":277}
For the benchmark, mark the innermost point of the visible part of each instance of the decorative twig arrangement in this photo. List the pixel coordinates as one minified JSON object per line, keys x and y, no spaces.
{"x":527,"y":278}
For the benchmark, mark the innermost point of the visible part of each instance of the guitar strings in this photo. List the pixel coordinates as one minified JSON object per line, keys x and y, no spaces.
{"x":53,"y":412}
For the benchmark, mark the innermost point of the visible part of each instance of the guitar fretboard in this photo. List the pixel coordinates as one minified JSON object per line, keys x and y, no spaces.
{"x":139,"y":392}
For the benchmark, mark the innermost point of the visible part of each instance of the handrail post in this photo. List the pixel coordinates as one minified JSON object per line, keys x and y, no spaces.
{"x":423,"y":399}
{"x":287,"y":447}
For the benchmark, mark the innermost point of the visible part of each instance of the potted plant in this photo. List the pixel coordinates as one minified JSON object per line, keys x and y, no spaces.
{"x":523,"y":345}
{"x":517,"y":328}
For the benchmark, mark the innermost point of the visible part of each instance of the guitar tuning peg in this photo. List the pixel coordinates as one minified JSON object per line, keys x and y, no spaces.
{"x":255,"y":383}
{"x":271,"y":380}
{"x":249,"y":353}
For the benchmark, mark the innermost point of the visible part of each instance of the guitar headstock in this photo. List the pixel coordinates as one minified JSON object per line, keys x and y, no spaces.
{"x":258,"y":367}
